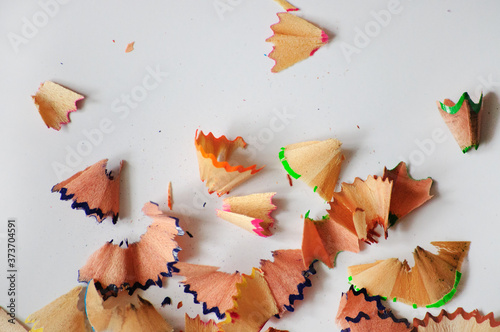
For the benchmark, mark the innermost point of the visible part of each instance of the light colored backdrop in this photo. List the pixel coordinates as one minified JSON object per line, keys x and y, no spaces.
{"x":215,"y":76}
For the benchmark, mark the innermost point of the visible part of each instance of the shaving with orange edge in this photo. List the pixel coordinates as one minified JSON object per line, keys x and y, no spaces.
{"x":213,"y":156}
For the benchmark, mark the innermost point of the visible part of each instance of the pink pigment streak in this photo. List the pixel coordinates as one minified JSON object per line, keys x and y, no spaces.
{"x":259,"y":229}
{"x":292,"y":10}
{"x":68,"y":120}
{"x":256,"y":222}
{"x":226,"y":207}
{"x":324,"y":37}
{"x":274,"y":47}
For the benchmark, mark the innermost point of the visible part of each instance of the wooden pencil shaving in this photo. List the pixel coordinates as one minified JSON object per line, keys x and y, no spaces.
{"x":251,"y":212}
{"x":430,"y":283}
{"x":463,"y":119}
{"x":95,"y":190}
{"x":317,"y":163}
{"x":54,"y":103}
{"x":213,"y":155}
{"x":294,"y":39}
{"x":139,"y":265}
{"x":124,"y":313}
{"x":460,"y":320}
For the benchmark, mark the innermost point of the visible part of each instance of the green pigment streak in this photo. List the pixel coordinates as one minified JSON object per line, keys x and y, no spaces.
{"x":448,"y":296}
{"x":325,"y":217}
{"x":394,"y":300}
{"x":454,"y":109}
{"x":287,"y":167}
{"x":335,"y":259}
{"x":414,"y":306}
{"x":356,"y":288}
{"x":307,"y":214}
{"x":467,"y":148}
{"x":384,"y":298}
{"x":315,"y":188}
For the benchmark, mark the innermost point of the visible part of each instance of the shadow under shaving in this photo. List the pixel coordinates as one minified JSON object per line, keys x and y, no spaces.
{"x":281,"y":205}
{"x":125,"y":200}
{"x":489,"y":120}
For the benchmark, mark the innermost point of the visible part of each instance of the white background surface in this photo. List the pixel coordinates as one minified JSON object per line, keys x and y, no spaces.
{"x":219,"y":80}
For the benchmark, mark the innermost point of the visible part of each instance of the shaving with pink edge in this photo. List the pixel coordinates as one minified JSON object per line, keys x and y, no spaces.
{"x":294,"y":39}
{"x":251,"y":212}
{"x":261,"y":228}
{"x":54,"y":103}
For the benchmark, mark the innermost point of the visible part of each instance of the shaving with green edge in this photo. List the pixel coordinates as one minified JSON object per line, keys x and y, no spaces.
{"x":285,"y":164}
{"x":432,"y":283}
{"x":449,"y":296}
{"x":465,"y":124}
{"x":475,"y":107}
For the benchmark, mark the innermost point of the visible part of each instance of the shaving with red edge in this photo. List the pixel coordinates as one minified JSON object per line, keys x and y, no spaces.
{"x":294,"y":39}
{"x":54,"y":103}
